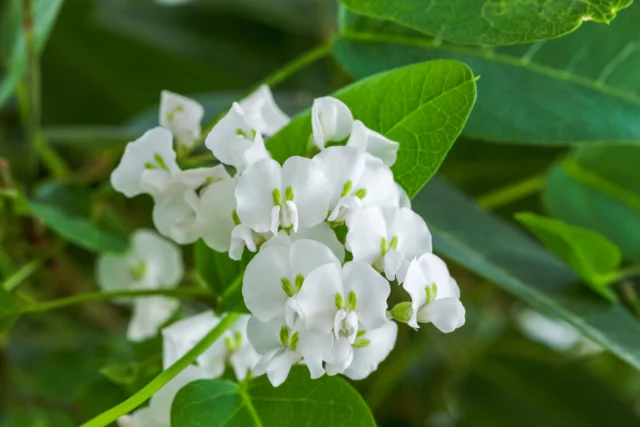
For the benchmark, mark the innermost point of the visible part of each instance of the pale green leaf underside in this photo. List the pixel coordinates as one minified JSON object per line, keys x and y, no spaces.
{"x":44,"y":15}
{"x":423,"y":106}
{"x":598,"y":188}
{"x":591,"y":255}
{"x":78,"y":230}
{"x":509,"y":258}
{"x":300,"y":401}
{"x":490,"y":22}
{"x":577,"y":89}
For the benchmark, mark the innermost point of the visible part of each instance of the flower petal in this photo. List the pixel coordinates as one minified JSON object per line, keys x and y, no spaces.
{"x":262,"y":286}
{"x":310,"y":189}
{"x":366,"y":359}
{"x":446,"y":314}
{"x":231,"y":137}
{"x":367,"y":228}
{"x":113,"y":274}
{"x":307,"y":255}
{"x":149,"y":314}
{"x":331,"y":120}
{"x":314,"y":348}
{"x":198,"y":177}
{"x":415,"y":283}
{"x":372,"y":291}
{"x":322,"y":233}
{"x":374,"y":143}
{"x":262,"y":111}
{"x":155,"y":143}
{"x":413,"y":236}
{"x":340,"y":165}
{"x":264,"y":336}
{"x":254,"y":194}
{"x":174,"y":215}
{"x":279,"y":367}
{"x":181,"y":116}
{"x":215,"y":214}
{"x":317,"y":298}
{"x":340,"y":357}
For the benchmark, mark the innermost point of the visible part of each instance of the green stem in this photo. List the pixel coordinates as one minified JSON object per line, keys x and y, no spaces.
{"x":186,"y":292}
{"x":511,"y":193}
{"x":278,"y":76}
{"x":38,"y":144}
{"x":627,"y":273}
{"x":158,"y":382}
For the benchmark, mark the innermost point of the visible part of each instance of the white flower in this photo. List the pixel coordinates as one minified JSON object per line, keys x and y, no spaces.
{"x":270,"y":196}
{"x":345,"y":301}
{"x":263,"y":113}
{"x":181,"y":336}
{"x":277,"y":273}
{"x":149,"y":314}
{"x":370,"y":349}
{"x":181,"y":116}
{"x":282,"y":346}
{"x":151,"y":262}
{"x":233,"y":346}
{"x":322,"y":233}
{"x":175,"y":214}
{"x":373,"y":143}
{"x":356,"y":179}
{"x":435,"y":296}
{"x":158,"y":184}
{"x":152,"y":152}
{"x":235,"y":141}
{"x":388,"y":239}
{"x":331,"y":120}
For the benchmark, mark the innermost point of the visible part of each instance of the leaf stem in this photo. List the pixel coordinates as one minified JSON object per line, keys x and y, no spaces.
{"x":511,"y":193}
{"x":38,"y":144}
{"x":628,"y":272}
{"x":158,"y":382}
{"x":185,"y":292}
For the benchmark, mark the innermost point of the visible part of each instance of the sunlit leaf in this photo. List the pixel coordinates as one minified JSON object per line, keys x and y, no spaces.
{"x":490,"y":22}
{"x":576,"y":89}
{"x":300,"y":401}
{"x":422,"y":106}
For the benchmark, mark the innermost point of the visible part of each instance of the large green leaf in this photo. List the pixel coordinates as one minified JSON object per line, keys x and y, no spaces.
{"x":490,"y":22}
{"x":505,"y":255}
{"x":598,"y":188}
{"x":422,"y":106}
{"x":300,"y":401}
{"x":65,"y":208}
{"x":594,"y":257}
{"x":579,"y":88}
{"x":44,"y":15}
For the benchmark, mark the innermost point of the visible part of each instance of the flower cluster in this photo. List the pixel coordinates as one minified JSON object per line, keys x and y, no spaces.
{"x":331,"y":234}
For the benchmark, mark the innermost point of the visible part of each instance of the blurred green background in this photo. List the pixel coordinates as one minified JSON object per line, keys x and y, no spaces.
{"x":102,"y":72}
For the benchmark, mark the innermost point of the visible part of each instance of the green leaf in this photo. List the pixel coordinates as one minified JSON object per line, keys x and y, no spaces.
{"x":422,"y":106}
{"x":576,"y":89}
{"x":44,"y":15}
{"x":65,"y":208}
{"x":300,"y":401}
{"x":9,"y":311}
{"x":598,"y":188}
{"x":215,"y":268}
{"x":594,"y":257}
{"x":509,"y":258}
{"x":490,"y":22}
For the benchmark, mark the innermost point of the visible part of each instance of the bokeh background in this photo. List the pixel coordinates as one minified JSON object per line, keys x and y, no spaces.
{"x":102,"y":72}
